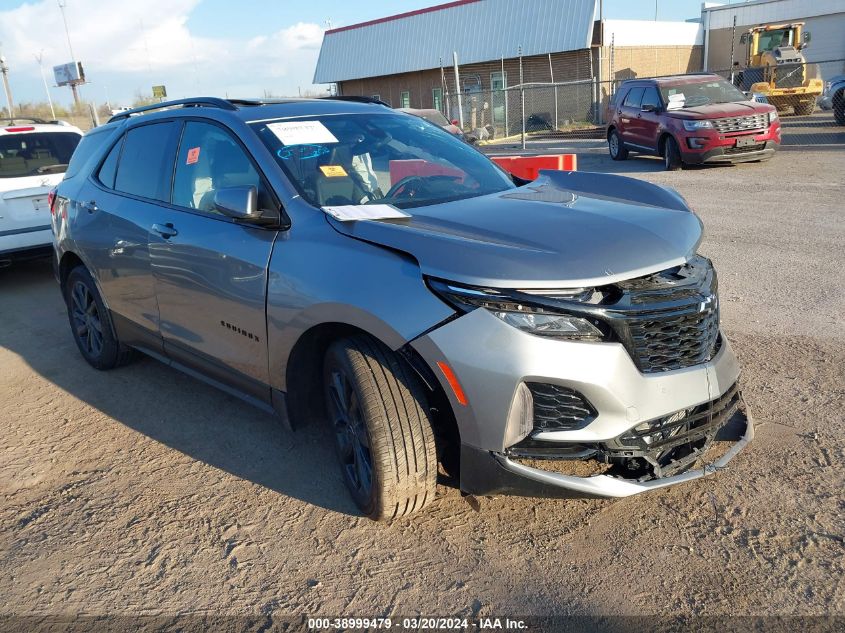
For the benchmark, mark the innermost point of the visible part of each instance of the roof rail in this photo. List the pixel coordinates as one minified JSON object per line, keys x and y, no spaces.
{"x":357,"y":99}
{"x":208,"y":102}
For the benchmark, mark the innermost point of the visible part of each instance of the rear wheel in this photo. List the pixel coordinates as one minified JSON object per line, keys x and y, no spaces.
{"x":671,"y":155}
{"x":615,"y":146}
{"x":383,"y":434}
{"x":90,"y":323}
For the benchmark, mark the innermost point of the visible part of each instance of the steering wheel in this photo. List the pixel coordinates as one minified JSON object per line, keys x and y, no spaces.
{"x":404,"y":188}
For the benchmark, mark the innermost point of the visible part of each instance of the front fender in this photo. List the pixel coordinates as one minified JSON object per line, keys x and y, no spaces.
{"x":322,"y":276}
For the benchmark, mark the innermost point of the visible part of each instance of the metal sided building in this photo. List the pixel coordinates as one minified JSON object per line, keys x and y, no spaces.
{"x":824,"y":19}
{"x":407,"y":60}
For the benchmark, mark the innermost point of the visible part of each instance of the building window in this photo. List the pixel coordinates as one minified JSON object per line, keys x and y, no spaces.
{"x":437,"y":98}
{"x":405,"y":99}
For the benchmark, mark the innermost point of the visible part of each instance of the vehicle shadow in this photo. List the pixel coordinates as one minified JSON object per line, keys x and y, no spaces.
{"x":165,"y":405}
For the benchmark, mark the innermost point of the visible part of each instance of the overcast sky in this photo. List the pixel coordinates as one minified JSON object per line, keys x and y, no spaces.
{"x":210,"y":47}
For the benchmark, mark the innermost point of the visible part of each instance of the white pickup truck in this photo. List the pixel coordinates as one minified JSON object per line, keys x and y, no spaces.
{"x":34,"y":155}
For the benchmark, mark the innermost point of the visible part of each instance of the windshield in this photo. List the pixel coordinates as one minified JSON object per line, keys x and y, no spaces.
{"x":353,"y":159}
{"x":31,"y":154}
{"x":697,"y":94}
{"x":770,"y":40}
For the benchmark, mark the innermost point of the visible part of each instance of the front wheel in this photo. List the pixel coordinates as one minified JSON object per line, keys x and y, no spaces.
{"x":671,"y":155}
{"x":615,"y":146}
{"x":382,"y":429}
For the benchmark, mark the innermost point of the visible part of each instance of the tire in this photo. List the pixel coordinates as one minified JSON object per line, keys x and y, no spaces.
{"x":379,"y":416}
{"x":91,"y":324}
{"x":615,"y":147}
{"x":805,"y":108}
{"x":671,"y":155}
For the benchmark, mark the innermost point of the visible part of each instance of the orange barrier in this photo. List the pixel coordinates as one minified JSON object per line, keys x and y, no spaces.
{"x":528,"y":167}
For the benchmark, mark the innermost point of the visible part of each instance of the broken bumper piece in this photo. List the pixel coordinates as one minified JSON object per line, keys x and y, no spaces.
{"x":490,"y":473}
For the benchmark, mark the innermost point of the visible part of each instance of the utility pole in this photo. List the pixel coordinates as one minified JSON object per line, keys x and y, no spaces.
{"x":40,"y":58}
{"x":458,"y":89}
{"x":4,"y":68}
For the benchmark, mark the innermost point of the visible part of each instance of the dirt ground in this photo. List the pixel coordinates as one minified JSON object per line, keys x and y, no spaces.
{"x":144,"y":491}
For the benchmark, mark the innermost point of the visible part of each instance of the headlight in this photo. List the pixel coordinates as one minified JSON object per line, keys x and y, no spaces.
{"x":534,"y":319}
{"x":692,"y":126}
{"x":773,"y":116}
{"x":548,"y":324}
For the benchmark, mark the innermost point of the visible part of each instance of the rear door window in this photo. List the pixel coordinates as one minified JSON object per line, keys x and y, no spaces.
{"x":634,"y":98}
{"x":36,"y":153}
{"x":146,"y":162}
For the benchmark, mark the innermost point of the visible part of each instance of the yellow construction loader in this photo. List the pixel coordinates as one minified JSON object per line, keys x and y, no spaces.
{"x":777,"y":68}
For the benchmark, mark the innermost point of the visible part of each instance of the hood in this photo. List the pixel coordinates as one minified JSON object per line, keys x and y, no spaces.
{"x":564,"y":230}
{"x":719,"y":110}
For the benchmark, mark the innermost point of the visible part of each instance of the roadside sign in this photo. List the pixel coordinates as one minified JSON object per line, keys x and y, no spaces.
{"x":159,"y":92}
{"x":68,"y":74}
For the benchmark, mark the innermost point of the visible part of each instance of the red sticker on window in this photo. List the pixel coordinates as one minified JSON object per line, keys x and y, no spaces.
{"x":193,"y":155}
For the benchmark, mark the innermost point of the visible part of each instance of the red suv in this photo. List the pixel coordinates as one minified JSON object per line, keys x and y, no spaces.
{"x":690,"y":119}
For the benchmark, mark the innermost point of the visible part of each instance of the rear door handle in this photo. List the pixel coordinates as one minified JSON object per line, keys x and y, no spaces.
{"x":90,"y":206}
{"x":165,"y":230}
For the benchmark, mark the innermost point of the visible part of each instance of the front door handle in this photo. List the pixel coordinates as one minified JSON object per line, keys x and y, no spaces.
{"x":165,"y":230}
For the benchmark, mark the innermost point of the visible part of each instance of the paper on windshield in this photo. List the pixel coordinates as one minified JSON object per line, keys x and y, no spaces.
{"x":301,"y":132}
{"x":351,"y":212}
{"x":676,"y":101}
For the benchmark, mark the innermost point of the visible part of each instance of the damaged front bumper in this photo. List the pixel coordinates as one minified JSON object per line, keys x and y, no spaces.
{"x":486,"y":473}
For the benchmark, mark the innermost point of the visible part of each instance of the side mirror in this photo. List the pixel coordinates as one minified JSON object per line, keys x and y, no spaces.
{"x":649,"y":107}
{"x":743,"y":38}
{"x":239,"y":203}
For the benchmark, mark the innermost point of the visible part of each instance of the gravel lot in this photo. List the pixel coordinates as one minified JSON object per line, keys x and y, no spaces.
{"x":143,"y":491}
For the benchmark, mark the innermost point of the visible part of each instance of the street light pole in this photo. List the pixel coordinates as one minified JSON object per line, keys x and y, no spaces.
{"x":40,"y":58}
{"x":4,"y":68}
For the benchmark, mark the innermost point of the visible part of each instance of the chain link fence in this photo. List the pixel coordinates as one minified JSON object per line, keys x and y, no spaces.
{"x":579,"y":109}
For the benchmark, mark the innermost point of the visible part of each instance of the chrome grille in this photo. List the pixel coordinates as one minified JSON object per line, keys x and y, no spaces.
{"x":741,"y":123}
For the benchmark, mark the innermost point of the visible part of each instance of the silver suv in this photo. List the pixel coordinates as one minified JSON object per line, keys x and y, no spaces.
{"x":336,"y":261}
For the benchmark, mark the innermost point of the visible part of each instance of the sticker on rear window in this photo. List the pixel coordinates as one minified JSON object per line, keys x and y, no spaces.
{"x":193,"y":156}
{"x":301,"y":132}
{"x":332,"y":171}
